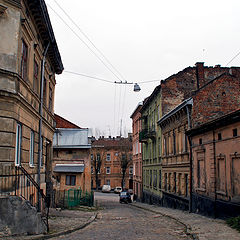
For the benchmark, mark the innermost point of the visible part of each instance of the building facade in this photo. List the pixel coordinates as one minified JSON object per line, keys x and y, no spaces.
{"x":175,"y":185}
{"x":29,"y":60}
{"x":115,"y":158}
{"x":150,"y":137}
{"x":215,"y":147}
{"x":167,"y":96}
{"x":137,"y":152}
{"x":71,"y":164}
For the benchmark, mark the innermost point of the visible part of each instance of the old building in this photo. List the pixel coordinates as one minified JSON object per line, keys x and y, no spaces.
{"x":150,"y":137}
{"x":112,"y":162}
{"x":175,"y":156}
{"x":29,"y":60}
{"x":137,"y":151}
{"x":215,"y":144}
{"x":167,"y":96}
{"x":71,"y":164}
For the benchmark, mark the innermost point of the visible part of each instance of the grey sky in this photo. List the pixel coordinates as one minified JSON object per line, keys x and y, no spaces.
{"x":144,"y":40}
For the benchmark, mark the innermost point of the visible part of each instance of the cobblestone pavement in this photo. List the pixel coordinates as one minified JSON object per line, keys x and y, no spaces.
{"x":200,"y":227}
{"x":123,"y":221}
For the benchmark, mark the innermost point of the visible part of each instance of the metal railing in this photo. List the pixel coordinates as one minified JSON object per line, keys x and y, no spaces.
{"x":16,"y":181}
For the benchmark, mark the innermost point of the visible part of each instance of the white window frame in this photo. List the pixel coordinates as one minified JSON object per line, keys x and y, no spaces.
{"x":108,"y":170}
{"x":31,"y":152}
{"x":18,"y":145}
{"x":108,"y":157}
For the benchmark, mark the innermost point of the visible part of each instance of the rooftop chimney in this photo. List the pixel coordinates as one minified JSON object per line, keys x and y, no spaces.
{"x":200,"y":74}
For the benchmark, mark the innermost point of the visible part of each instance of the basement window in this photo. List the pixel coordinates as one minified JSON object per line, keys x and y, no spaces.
{"x":235,"y":132}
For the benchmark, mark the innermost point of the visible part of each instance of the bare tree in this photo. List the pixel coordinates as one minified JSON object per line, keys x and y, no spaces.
{"x":125,"y":157}
{"x":97,"y":156}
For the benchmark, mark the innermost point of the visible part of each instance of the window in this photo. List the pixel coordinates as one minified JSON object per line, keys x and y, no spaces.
{"x":108,"y":157}
{"x":235,"y":132}
{"x":31,"y":159}
{"x":24,"y":60}
{"x":155,"y":178}
{"x":175,"y":182}
{"x":219,"y":136}
{"x":186,"y":185}
{"x":200,"y":141}
{"x":91,"y":157}
{"x":165,"y":180}
{"x":108,"y":170}
{"x":130,"y":170}
{"x":91,"y":169}
{"x":50,"y":99}
{"x":98,"y":157}
{"x":174,"y":143}
{"x":35,"y":76}
{"x":44,"y":91}
{"x":108,"y":182}
{"x":71,"y":180}
{"x":18,"y":145}
{"x":150,"y":178}
{"x":160,"y":180}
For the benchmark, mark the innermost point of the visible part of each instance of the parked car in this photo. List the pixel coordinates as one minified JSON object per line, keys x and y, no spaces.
{"x":106,"y":188}
{"x":130,"y":191}
{"x":117,"y":189}
{"x":125,"y":197}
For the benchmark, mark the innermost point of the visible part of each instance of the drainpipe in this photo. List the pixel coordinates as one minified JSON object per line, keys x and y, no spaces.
{"x":215,"y":180}
{"x":190,"y":159}
{"x":40,"y":125}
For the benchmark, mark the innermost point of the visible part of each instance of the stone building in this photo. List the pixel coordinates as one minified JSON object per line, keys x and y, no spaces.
{"x":71,"y":164}
{"x":26,"y":34}
{"x":137,"y":151}
{"x":29,"y":60}
{"x":165,"y":97}
{"x":115,"y":157}
{"x":215,"y":144}
{"x":150,"y":137}
{"x":175,"y":156}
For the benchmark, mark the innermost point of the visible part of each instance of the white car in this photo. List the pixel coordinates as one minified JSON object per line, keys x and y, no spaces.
{"x":117,"y":189}
{"x":106,"y":188}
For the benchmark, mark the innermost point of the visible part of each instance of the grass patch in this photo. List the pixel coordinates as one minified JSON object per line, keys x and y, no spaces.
{"x":234,"y":222}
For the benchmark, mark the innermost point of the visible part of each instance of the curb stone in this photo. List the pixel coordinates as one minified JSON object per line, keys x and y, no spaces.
{"x":187,"y":228}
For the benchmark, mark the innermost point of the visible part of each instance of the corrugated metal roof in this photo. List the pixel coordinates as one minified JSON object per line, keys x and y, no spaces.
{"x":69,"y":168}
{"x":71,"y":138}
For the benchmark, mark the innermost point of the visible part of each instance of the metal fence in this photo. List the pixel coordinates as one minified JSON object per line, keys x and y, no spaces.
{"x":72,"y":198}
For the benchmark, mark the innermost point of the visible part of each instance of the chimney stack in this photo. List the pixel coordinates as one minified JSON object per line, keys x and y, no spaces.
{"x":200,"y":74}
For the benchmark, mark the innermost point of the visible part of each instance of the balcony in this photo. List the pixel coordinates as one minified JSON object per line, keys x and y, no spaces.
{"x":146,"y":134}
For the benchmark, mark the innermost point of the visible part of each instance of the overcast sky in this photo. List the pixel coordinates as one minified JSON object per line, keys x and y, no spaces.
{"x":143,"y":40}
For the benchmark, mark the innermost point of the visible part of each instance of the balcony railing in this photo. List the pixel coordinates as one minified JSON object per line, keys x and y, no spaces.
{"x":147,"y":133}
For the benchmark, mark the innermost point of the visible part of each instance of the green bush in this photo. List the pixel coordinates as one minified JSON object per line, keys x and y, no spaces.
{"x":234,"y":222}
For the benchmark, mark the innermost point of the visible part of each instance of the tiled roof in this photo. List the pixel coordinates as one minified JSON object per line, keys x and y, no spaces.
{"x":64,"y":123}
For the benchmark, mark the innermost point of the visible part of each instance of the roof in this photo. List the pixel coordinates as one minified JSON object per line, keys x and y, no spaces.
{"x":186,"y":102}
{"x":148,"y":100}
{"x":64,"y":123}
{"x":69,"y":168}
{"x":138,"y":108}
{"x":71,"y":138}
{"x":39,"y":12}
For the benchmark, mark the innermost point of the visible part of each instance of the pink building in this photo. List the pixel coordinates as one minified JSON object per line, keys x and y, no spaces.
{"x":137,"y":152}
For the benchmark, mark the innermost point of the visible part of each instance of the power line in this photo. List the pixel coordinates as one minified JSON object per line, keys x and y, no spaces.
{"x":84,"y":75}
{"x":85,"y":35}
{"x":84,"y":42}
{"x":233,"y":58}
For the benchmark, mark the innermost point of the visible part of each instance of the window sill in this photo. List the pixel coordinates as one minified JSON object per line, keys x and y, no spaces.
{"x":200,"y":189}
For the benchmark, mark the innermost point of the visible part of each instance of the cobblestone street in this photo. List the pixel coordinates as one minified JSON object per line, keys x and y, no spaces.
{"x":123,"y":221}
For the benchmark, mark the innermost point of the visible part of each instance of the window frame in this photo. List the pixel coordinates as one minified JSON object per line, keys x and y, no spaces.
{"x":18,"y":144}
{"x":24,"y":60}
{"x":72,"y":180}
{"x":31,"y":151}
{"x":108,"y":170}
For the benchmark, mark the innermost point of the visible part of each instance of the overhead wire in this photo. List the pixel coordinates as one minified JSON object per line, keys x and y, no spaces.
{"x":233,"y":58}
{"x":86,"y":36}
{"x":85,"y":43}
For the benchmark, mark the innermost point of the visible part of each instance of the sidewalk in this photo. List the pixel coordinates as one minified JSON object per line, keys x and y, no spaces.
{"x":62,"y":222}
{"x":198,"y":226}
